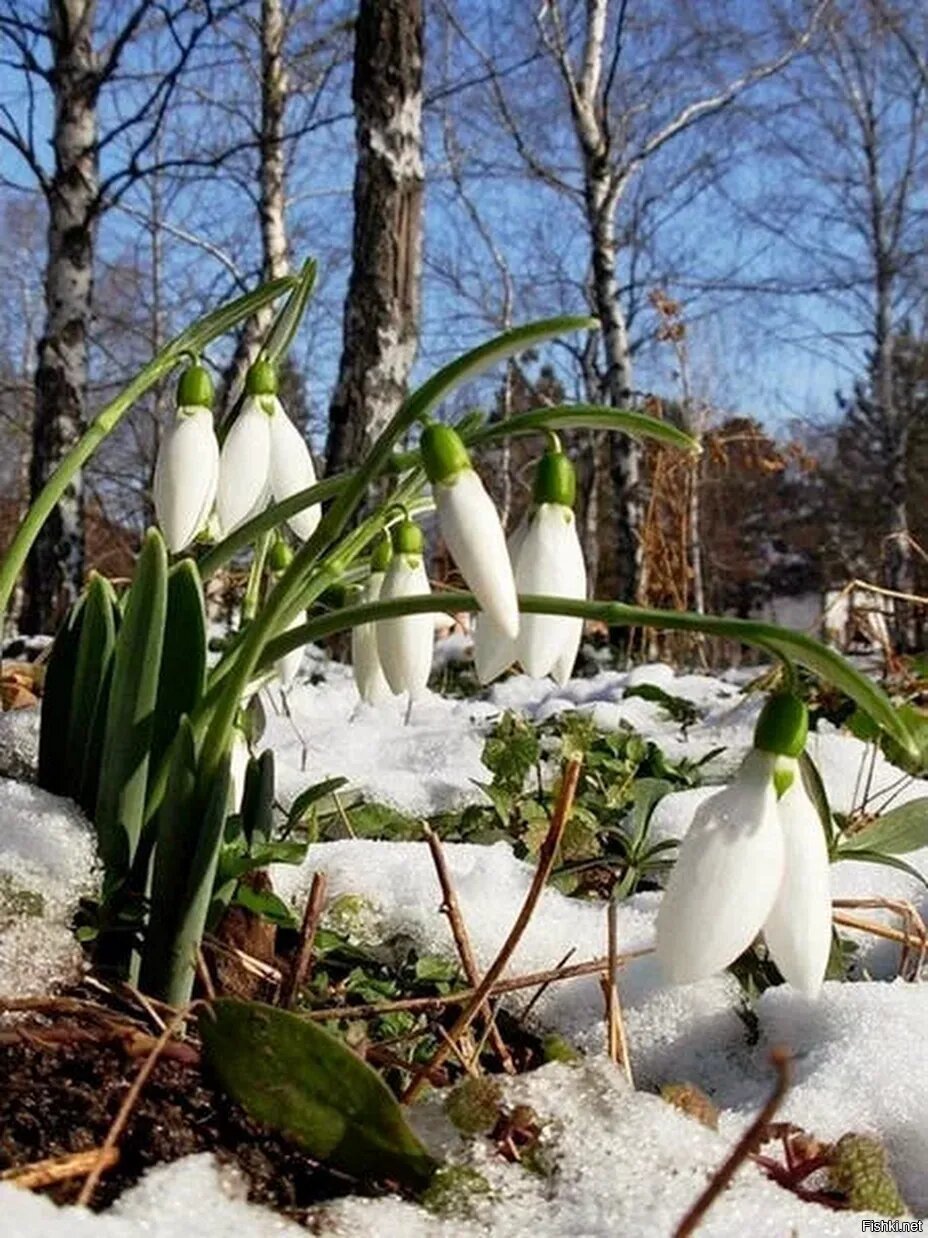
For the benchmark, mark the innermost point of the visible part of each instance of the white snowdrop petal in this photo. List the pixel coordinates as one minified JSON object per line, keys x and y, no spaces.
{"x":185,"y":478}
{"x":471,"y":528}
{"x":369,"y":678}
{"x":404,"y":644}
{"x":291,"y":470}
{"x":243,"y":467}
{"x":238,"y":766}
{"x":798,"y":928}
{"x":726,"y":876}
{"x":494,"y":651}
{"x":548,"y":563}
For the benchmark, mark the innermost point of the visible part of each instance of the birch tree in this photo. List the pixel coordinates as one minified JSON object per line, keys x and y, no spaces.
{"x":381,"y":314}
{"x":74,"y":50}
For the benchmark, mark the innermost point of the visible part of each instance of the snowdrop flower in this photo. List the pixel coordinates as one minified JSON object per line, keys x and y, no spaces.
{"x":755,"y":858}
{"x":238,"y":767}
{"x":404,"y":644}
{"x":369,"y":678}
{"x":550,"y":561}
{"x":187,"y":469}
{"x":547,"y":558}
{"x":264,"y":457}
{"x":470,"y":525}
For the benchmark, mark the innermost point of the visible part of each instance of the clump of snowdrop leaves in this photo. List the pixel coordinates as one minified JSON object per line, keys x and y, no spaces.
{"x":470,"y":525}
{"x":405,"y":643}
{"x":369,"y":678}
{"x":264,"y":457}
{"x":755,"y":858}
{"x":187,"y":469}
{"x":548,"y":559}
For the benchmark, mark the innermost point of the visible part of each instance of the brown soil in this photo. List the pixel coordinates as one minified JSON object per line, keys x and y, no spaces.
{"x":63,"y":1099}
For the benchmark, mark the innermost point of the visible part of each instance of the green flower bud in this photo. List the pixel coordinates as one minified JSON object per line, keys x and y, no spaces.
{"x":782,"y":726}
{"x":555,"y":480}
{"x":443,"y":453}
{"x":280,"y":556}
{"x":381,"y":556}
{"x":261,"y":379}
{"x":195,"y":388}
{"x":407,"y":538}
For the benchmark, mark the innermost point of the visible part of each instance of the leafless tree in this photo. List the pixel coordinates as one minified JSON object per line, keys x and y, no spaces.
{"x":381,"y":317}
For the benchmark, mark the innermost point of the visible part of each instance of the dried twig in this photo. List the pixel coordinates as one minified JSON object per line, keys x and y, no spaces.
{"x":912,"y":937}
{"x":531,"y":980}
{"x":102,"y":1162}
{"x":204,"y":976}
{"x":59,"y":1168}
{"x":546,"y":857}
{"x":617,"y":1041}
{"x":452,"y":909}
{"x":782,"y":1062}
{"x":304,"y":955}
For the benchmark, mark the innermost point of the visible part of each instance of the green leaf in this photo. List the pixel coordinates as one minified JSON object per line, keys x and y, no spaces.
{"x":124,"y":764}
{"x":511,"y":752}
{"x":312,"y":795}
{"x":815,"y":789}
{"x":791,"y":647}
{"x":182,"y":676}
{"x":647,"y":794}
{"x":900,"y":830}
{"x":290,"y":315}
{"x":94,"y":651}
{"x":296,"y":1078}
{"x":879,"y":857}
{"x":588,"y":417}
{"x":56,"y":702}
{"x":258,"y":799}
{"x":189,"y":840}
{"x":265,"y":903}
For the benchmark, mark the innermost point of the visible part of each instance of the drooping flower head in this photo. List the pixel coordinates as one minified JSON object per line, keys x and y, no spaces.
{"x":187,"y":468}
{"x":264,"y":457}
{"x":369,"y":678}
{"x":470,"y":525}
{"x":405,"y":643}
{"x":755,"y":858}
{"x":547,"y":559}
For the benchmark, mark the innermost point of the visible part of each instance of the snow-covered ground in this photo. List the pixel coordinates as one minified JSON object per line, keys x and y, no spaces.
{"x":623,"y":1162}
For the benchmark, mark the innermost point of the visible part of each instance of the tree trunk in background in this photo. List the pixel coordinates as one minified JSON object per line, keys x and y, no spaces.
{"x":56,"y":565}
{"x":624,"y":453}
{"x":382,"y":304}
{"x":272,"y":190}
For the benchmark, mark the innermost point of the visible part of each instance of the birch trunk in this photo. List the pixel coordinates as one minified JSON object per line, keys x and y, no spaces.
{"x":272,"y":189}
{"x":56,"y":566}
{"x":381,"y":315}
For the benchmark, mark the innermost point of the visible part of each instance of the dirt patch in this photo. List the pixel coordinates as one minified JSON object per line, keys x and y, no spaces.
{"x":63,"y":1099}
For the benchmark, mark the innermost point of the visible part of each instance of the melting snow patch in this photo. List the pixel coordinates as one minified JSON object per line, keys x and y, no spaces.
{"x":46,"y":864}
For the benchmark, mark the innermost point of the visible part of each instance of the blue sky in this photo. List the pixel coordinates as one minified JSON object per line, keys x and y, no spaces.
{"x":773,"y":356}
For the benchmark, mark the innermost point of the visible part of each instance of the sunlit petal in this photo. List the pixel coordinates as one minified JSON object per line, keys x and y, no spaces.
{"x":369,"y":678}
{"x":798,"y":928}
{"x":405,"y":644}
{"x":550,"y":561}
{"x":726,"y":876}
{"x":291,"y":470}
{"x":244,"y":463}
{"x":186,"y":474}
{"x":474,"y":535}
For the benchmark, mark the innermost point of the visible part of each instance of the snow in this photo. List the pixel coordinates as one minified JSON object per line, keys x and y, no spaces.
{"x":622,"y":1161}
{"x":46,"y":865}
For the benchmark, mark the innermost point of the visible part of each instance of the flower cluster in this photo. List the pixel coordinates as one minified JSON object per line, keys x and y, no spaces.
{"x":542,"y":556}
{"x":264,"y":456}
{"x":755,"y":859}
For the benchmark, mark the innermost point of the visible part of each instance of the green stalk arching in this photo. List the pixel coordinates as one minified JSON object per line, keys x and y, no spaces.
{"x":192,"y":340}
{"x":285,"y":598}
{"x":782,"y":643}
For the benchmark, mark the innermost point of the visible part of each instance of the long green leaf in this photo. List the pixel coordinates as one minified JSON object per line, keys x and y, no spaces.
{"x":182,"y":676}
{"x":57,"y":696}
{"x":121,"y":797}
{"x":784,"y":643}
{"x":586,"y":417}
{"x":95,"y":649}
{"x":900,"y":830}
{"x":193,"y":340}
{"x":297,"y":1078}
{"x":288,"y":320}
{"x":258,"y":800}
